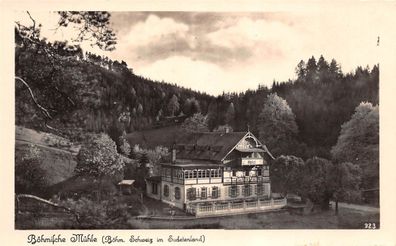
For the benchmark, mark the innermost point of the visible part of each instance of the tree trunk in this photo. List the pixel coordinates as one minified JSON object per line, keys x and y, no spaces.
{"x":325,"y":204}
{"x":336,"y":207}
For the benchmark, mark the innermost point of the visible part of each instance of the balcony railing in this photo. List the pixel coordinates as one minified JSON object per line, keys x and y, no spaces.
{"x":229,"y":207}
{"x":246,"y":180}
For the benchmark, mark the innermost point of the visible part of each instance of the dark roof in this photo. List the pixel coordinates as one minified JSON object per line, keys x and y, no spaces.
{"x":213,"y":146}
{"x":194,"y":165}
{"x":203,"y":146}
{"x":155,"y":137}
{"x":155,"y":179}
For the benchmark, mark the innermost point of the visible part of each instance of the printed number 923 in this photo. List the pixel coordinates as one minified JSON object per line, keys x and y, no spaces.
{"x":370,"y":226}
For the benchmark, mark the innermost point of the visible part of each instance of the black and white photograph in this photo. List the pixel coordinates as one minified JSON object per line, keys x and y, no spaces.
{"x":192,"y":119}
{"x":184,"y":120}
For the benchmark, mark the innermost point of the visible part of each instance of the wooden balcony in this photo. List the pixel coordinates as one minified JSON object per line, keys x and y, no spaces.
{"x":245,"y":180}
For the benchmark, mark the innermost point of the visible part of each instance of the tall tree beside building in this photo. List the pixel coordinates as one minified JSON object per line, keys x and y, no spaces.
{"x":286,"y":174}
{"x":317,"y":183}
{"x":277,"y":126}
{"x":322,"y":181}
{"x":347,"y":177}
{"x":358,"y":143}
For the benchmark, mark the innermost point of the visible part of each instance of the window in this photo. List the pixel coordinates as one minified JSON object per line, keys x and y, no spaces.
{"x":260,"y":189}
{"x":177,"y":193}
{"x":204,"y":193}
{"x":194,"y":174}
{"x":191,"y":194}
{"x":259,"y":172}
{"x":247,"y":172}
{"x":246,"y":190}
{"x":154,"y":188}
{"x":234,"y":191}
{"x":233,"y":173}
{"x":166,"y":190}
{"x":215,"y":192}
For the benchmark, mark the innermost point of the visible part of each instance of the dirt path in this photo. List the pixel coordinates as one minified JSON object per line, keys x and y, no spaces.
{"x":363,"y":208}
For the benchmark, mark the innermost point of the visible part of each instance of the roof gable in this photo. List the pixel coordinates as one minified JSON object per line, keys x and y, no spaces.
{"x":211,"y":146}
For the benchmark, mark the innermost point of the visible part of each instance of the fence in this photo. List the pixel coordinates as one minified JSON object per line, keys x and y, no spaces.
{"x":234,"y":207}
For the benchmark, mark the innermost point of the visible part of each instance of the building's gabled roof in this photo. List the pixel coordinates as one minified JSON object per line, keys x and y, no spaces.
{"x":210,"y":146}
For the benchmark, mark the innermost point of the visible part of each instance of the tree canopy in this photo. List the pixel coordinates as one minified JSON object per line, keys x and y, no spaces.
{"x":358,"y":143}
{"x":286,"y":174}
{"x":277,"y":125}
{"x":196,"y":123}
{"x":99,"y":158}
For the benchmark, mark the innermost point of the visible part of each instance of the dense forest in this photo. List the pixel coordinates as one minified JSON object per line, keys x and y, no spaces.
{"x":92,"y":93}
{"x":322,"y":98}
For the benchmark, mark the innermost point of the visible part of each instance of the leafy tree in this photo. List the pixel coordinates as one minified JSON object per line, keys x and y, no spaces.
{"x":347,"y":177}
{"x":99,"y":158}
{"x":103,"y":214}
{"x":223,"y":128}
{"x":125,"y":148}
{"x":173,"y":105}
{"x":187,"y":106}
{"x":358,"y":143}
{"x":93,"y":26}
{"x":196,"y":123}
{"x":322,"y":180}
{"x":29,"y":176}
{"x":277,"y":125}
{"x":287,"y":174}
{"x":40,"y":88}
{"x":195,"y":106}
{"x":317,"y":182}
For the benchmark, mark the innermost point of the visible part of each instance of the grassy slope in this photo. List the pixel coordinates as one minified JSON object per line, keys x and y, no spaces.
{"x":58,"y":153}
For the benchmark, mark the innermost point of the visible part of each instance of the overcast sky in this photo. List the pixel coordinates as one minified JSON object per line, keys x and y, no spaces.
{"x":216,"y":52}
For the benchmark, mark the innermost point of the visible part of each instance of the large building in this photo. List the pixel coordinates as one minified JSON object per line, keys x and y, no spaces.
{"x":215,"y":173}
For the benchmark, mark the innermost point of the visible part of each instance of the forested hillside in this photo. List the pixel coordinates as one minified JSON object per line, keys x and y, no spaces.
{"x":322,"y":98}
{"x":73,"y":91}
{"x":60,"y":88}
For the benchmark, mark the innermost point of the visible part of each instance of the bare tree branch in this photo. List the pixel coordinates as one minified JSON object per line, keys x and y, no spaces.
{"x":43,"y":110}
{"x":39,"y":199}
{"x":34,"y":22}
